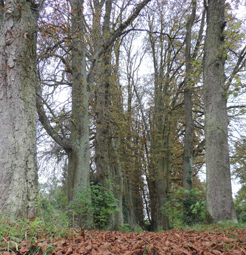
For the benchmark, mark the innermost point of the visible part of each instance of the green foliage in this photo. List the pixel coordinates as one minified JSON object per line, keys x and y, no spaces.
{"x":194,"y":207}
{"x":241,"y":211}
{"x":50,"y":214}
{"x":221,"y":227}
{"x":51,"y":206}
{"x":199,"y":207}
{"x":138,"y":229}
{"x":14,"y":232}
{"x":97,"y":200}
{"x":240,"y":205}
{"x":185,"y":207}
{"x":125,"y":228}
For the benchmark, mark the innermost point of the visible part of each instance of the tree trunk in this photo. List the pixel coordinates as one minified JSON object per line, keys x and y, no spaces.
{"x":162,"y":177}
{"x":160,"y":144}
{"x":160,"y":170}
{"x":108,"y":165}
{"x":79,"y":153}
{"x":188,"y":143}
{"x":218,"y":192}
{"x":18,"y":169}
{"x":107,"y":160}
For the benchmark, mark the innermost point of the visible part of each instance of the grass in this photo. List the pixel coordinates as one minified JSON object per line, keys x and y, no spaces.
{"x":222,"y":226}
{"x":14,"y":233}
{"x":39,"y":231}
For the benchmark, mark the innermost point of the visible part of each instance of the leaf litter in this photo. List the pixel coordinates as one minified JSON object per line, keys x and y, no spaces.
{"x":92,"y":242}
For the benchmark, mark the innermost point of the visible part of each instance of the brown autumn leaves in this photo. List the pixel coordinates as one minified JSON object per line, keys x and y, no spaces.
{"x":178,"y":241}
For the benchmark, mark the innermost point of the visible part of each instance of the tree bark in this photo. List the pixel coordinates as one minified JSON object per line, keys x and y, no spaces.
{"x":218,"y":192}
{"x":108,"y":165}
{"x":131,"y":149}
{"x":18,"y":168}
{"x":79,"y":153}
{"x":159,"y":180}
{"x":107,"y":160}
{"x":189,"y":126}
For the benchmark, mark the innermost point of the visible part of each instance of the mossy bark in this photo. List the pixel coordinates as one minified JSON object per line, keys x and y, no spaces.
{"x":18,"y":168}
{"x":218,"y":191}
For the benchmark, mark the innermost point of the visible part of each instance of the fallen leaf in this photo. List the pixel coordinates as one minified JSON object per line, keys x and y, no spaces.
{"x":138,"y":245}
{"x":69,"y":250}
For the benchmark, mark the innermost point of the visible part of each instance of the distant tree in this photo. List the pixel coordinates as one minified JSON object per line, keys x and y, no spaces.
{"x":133,"y":132}
{"x":166,"y":41}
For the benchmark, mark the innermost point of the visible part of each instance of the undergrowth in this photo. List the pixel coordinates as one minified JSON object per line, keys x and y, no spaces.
{"x":217,"y":227}
{"x":34,"y":230}
{"x":31,"y":230}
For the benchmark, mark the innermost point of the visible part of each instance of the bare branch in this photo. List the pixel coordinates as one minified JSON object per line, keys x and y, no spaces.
{"x":62,"y":141}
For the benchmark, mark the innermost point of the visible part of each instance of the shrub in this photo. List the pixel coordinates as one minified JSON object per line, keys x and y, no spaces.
{"x":185,"y":207}
{"x":194,"y":207}
{"x":97,"y":200}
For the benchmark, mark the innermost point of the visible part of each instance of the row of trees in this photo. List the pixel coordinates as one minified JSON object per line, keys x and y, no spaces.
{"x":121,"y":88}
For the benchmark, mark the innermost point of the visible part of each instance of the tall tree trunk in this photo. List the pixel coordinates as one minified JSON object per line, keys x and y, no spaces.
{"x":159,"y":179}
{"x":131,"y":153}
{"x":79,"y":154}
{"x":160,"y":148}
{"x":127,"y":156}
{"x":106,"y":156}
{"x":107,"y":159}
{"x":162,"y":177}
{"x":188,"y":146}
{"x":18,"y":169}
{"x":218,"y":192}
{"x":77,"y":145}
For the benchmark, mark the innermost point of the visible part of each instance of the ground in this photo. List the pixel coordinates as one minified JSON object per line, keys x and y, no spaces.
{"x":177,"y":241}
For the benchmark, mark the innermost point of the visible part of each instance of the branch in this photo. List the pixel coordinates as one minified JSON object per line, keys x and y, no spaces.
{"x":200,"y":34}
{"x":237,"y":68}
{"x":63,"y":60}
{"x":141,"y":109}
{"x":117,"y":33}
{"x":56,"y":83}
{"x":152,"y":32}
{"x":236,"y":106}
{"x":64,"y":143}
{"x":199,"y":148}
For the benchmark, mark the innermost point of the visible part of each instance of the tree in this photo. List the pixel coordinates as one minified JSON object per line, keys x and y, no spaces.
{"x":189,"y":124}
{"x":165,"y":48}
{"x":88,"y":47}
{"x":18,"y":170}
{"x":133,"y":140}
{"x":218,"y":193}
{"x":108,"y":166}
{"x":135,"y":130}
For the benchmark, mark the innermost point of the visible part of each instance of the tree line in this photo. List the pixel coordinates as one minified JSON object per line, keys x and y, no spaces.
{"x":130,"y":96}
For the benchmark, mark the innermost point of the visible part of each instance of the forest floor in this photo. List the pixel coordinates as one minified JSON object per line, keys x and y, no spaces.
{"x":177,"y":241}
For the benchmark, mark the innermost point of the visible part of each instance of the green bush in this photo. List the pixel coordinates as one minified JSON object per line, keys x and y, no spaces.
{"x":194,"y":207}
{"x":240,"y":205}
{"x":185,"y":207}
{"x":240,"y":209}
{"x":52,"y":215}
{"x":96,"y":200}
